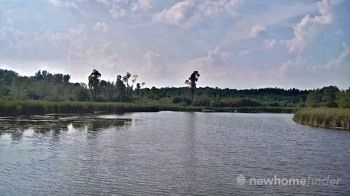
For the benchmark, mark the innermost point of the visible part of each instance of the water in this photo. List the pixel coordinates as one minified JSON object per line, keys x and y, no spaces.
{"x":166,"y":153}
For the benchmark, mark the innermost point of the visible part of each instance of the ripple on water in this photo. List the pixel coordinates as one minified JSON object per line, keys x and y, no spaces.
{"x":167,"y":153}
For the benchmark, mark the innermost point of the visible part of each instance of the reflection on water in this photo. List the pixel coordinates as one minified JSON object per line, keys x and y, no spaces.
{"x":18,"y":126}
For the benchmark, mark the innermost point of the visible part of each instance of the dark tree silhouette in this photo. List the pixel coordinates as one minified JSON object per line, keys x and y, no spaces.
{"x":126,"y":78}
{"x":120,"y":87}
{"x":94,"y":80}
{"x":66,"y":78}
{"x":192,"y":82}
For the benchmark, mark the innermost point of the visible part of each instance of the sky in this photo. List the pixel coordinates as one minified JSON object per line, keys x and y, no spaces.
{"x":232,"y":43}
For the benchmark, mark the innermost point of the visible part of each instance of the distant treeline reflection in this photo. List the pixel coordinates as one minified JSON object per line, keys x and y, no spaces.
{"x":56,"y":124}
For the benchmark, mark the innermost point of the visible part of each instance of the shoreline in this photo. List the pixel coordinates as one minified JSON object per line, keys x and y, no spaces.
{"x":333,"y":118}
{"x":33,"y":107}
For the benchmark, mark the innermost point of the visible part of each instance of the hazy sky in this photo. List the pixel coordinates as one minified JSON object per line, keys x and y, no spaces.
{"x":232,"y":43}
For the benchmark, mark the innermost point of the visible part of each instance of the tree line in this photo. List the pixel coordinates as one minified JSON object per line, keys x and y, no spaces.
{"x":126,"y":88}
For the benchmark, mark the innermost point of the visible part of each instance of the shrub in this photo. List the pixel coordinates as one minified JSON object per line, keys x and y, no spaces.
{"x":182,"y":100}
{"x":202,"y":101}
{"x":235,"y":102}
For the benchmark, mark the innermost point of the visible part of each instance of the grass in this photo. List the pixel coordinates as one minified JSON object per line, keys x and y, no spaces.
{"x":255,"y":109}
{"x":31,"y":107}
{"x":324,"y":117}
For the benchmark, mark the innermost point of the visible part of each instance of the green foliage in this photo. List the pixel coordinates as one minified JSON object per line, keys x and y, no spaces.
{"x":202,"y":101}
{"x":16,"y":107}
{"x":181,"y":100}
{"x":215,"y":103}
{"x":343,"y":99}
{"x":325,"y":96}
{"x":56,"y":87}
{"x":238,"y":102}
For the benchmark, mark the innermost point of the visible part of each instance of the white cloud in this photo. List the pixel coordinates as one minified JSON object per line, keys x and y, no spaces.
{"x":101,"y":26}
{"x":122,"y":8}
{"x":257,"y":30}
{"x":66,"y":3}
{"x":177,"y":14}
{"x":244,"y":53}
{"x":145,"y":4}
{"x":155,"y":68}
{"x":269,"y":43}
{"x":213,"y":62}
{"x":276,"y":15}
{"x":191,"y":12}
{"x":342,"y":60}
{"x":308,"y":25}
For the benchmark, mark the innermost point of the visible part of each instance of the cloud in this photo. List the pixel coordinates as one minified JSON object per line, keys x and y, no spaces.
{"x":191,"y":12}
{"x":302,"y":73}
{"x":123,"y":8}
{"x":342,"y":60}
{"x":157,"y":68}
{"x":145,"y":4}
{"x":276,"y":15}
{"x":101,"y":26}
{"x":214,"y":59}
{"x":67,"y":3}
{"x":244,"y":53}
{"x":257,"y":30}
{"x":177,"y":14}
{"x":220,"y":68}
{"x":269,"y":43}
{"x":305,"y":29}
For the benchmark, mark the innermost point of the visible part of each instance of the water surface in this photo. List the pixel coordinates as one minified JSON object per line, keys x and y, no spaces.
{"x":168,"y":153}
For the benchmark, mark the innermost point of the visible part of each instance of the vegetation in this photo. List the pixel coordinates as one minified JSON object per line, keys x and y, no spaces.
{"x":54,"y":93}
{"x":57,"y":87}
{"x":324,"y":117}
{"x":192,"y":82}
{"x":19,"y":107}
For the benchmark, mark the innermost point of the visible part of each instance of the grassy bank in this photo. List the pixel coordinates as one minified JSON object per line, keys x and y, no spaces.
{"x":324,"y":117}
{"x":11,"y":107}
{"x":15,"y":107}
{"x":257,"y":109}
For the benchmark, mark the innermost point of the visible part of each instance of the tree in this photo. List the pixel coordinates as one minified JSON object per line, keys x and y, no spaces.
{"x":126,"y":78}
{"x":94,"y":80}
{"x":192,"y":82}
{"x":126,"y":81}
{"x":120,"y":88}
{"x":18,"y":88}
{"x":133,"y":81}
{"x":343,"y":99}
{"x":313,"y":98}
{"x":66,"y":78}
{"x":329,"y":95}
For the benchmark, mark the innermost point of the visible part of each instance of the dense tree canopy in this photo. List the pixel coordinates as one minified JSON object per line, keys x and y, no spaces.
{"x":57,"y":87}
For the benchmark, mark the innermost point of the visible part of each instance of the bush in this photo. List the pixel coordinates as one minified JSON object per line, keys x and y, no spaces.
{"x":182,"y":100}
{"x":202,"y":101}
{"x":275,"y":104}
{"x":235,"y":102}
{"x":215,"y":103}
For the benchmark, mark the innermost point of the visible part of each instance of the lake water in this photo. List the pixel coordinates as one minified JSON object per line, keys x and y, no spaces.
{"x":174,"y":153}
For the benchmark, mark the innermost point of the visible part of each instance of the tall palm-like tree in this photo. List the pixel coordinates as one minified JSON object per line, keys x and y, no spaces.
{"x":94,"y":81}
{"x":192,"y":82}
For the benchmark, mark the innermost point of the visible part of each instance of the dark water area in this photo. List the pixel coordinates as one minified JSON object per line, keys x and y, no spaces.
{"x":171,"y":153}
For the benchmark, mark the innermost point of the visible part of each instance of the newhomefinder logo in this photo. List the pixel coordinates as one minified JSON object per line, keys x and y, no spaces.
{"x":277,"y":181}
